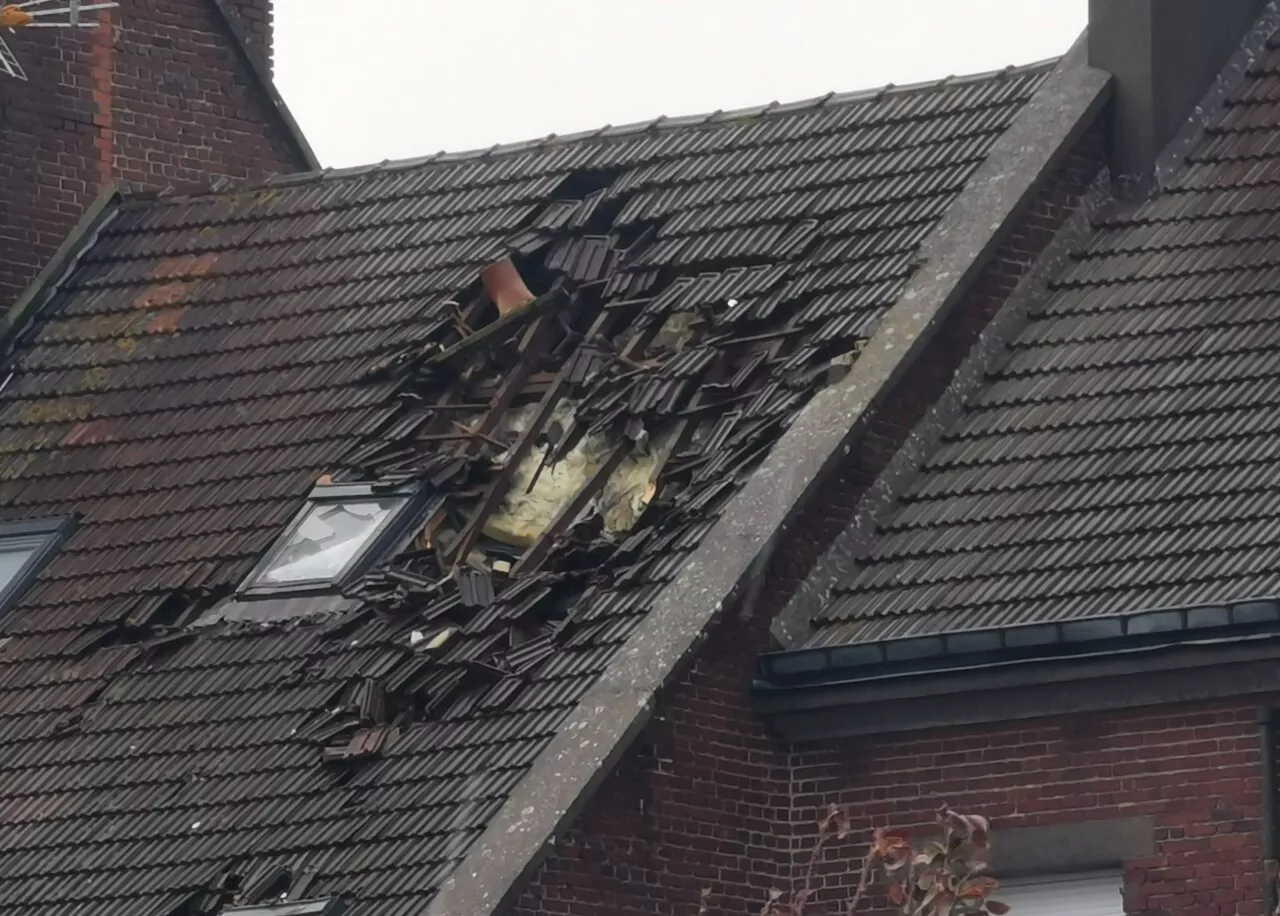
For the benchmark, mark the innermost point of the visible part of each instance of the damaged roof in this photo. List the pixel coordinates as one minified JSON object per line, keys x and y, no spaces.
{"x":165,"y":748}
{"x":1123,"y":458}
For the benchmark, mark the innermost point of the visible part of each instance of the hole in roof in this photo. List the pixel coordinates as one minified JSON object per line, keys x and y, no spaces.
{"x":543,"y":484}
{"x":581,"y":182}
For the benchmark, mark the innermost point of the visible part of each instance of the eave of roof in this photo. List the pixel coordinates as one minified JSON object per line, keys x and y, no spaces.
{"x":266,"y":86}
{"x":1018,"y":644}
{"x":1155,"y":669}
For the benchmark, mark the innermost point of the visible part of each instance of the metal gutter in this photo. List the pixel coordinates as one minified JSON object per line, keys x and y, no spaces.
{"x":979,"y":676}
{"x":20,"y":314}
{"x":776,"y":694}
{"x":1209,"y":666}
{"x":266,"y":86}
{"x":1009,"y":645}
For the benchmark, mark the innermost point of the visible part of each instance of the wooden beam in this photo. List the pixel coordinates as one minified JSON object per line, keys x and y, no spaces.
{"x":498,"y":488}
{"x":497,"y":331}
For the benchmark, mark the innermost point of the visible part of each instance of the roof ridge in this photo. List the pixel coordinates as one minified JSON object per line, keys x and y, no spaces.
{"x":608,"y":131}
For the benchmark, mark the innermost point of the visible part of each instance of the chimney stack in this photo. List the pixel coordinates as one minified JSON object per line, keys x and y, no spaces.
{"x":159,"y":95}
{"x":1164,"y":55}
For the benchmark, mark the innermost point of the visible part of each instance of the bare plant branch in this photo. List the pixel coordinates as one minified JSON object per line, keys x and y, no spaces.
{"x":936,"y":877}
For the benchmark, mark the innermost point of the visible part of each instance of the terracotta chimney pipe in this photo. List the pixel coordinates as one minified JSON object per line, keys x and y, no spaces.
{"x":11,"y":17}
{"x":505,"y":286}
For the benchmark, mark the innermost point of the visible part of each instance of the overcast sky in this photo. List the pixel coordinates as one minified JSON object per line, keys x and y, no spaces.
{"x":400,"y":78}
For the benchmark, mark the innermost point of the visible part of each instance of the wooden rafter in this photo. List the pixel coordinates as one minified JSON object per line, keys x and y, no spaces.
{"x":498,"y":488}
{"x":499,"y":330}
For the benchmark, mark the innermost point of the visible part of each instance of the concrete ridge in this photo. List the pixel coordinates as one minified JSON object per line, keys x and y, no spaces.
{"x":729,"y":565}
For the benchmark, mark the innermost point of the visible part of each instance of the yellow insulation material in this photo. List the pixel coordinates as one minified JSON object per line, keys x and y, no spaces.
{"x":526,"y":513}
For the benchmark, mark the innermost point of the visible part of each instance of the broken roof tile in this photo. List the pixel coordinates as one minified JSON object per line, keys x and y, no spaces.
{"x":211,"y":356}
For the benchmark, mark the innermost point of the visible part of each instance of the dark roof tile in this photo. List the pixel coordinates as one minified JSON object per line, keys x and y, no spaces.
{"x":1120,"y":457}
{"x":209,"y":357}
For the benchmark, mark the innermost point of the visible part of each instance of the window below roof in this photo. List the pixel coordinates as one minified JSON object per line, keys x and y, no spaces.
{"x":24,"y":549}
{"x":340,"y":532}
{"x":1081,"y":894}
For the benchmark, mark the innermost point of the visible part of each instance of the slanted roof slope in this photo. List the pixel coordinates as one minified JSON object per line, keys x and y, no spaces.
{"x":1123,"y":458}
{"x":205,"y":359}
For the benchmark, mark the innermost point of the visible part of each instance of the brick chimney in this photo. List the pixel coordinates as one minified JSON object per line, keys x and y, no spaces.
{"x":1164,"y":55}
{"x":255,"y":24}
{"x":165,"y":94}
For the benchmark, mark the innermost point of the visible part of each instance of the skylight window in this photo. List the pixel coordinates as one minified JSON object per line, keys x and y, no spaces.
{"x":24,"y":548}
{"x":334,"y":539}
{"x":329,"y":906}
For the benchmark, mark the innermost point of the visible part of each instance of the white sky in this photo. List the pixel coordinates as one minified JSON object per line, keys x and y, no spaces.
{"x":388,"y":79}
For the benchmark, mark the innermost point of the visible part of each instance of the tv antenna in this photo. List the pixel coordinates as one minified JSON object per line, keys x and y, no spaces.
{"x":45,"y":14}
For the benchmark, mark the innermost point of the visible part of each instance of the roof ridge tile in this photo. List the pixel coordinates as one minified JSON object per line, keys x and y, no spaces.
{"x":608,"y":131}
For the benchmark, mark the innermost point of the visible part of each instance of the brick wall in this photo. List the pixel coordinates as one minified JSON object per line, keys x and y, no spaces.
{"x":1194,"y":769}
{"x":695,"y":803}
{"x":704,"y":798}
{"x":255,"y":18}
{"x":157,"y":97}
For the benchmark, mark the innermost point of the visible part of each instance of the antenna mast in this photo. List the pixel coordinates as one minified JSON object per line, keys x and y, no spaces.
{"x":47,"y":14}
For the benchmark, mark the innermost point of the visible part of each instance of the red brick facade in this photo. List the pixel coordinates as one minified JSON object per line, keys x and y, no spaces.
{"x":699,"y":801}
{"x":707,"y":798}
{"x":255,"y":18}
{"x":1193,"y":768}
{"x":158,"y":97}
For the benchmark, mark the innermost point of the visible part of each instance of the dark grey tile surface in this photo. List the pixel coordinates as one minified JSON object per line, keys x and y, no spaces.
{"x":1124,"y":457}
{"x":210,"y":357}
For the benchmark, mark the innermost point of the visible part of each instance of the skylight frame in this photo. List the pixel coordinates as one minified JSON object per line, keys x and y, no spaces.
{"x":319,"y":906}
{"x":391,"y":530}
{"x":45,"y":536}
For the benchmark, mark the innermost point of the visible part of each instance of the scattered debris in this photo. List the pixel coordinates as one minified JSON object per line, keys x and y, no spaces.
{"x":676,"y":305}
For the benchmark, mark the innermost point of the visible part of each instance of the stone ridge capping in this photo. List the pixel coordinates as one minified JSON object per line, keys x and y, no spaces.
{"x":729,"y":565}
